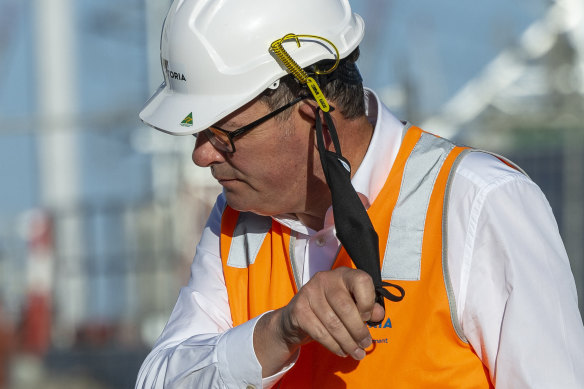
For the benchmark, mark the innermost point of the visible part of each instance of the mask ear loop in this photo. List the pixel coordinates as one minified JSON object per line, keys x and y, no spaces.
{"x":334,"y":138}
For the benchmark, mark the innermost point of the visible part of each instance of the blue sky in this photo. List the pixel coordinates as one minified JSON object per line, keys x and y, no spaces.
{"x":112,"y":85}
{"x":437,"y":45}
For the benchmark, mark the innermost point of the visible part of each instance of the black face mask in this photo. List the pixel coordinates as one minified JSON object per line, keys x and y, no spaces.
{"x":353,"y":226}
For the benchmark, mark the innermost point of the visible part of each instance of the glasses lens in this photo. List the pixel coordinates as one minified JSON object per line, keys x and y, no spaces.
{"x":219,"y":139}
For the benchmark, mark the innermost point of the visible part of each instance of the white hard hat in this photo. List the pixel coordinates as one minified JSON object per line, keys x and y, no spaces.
{"x":215,"y":54}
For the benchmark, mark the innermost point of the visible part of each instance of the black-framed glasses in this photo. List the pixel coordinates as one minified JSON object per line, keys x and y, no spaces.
{"x":222,"y":139}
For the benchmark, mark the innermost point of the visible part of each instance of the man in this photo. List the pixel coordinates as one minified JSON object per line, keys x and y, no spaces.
{"x":477,"y":289}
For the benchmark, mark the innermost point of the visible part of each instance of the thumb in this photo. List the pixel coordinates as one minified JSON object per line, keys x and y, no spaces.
{"x":377,"y":313}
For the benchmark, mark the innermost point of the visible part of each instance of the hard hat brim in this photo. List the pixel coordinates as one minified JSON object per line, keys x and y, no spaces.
{"x":168,"y":111}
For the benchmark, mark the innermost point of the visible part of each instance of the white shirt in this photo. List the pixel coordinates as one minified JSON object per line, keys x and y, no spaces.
{"x":514,"y":290}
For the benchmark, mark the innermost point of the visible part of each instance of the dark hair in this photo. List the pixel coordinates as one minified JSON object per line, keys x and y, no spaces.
{"x":343,"y":88}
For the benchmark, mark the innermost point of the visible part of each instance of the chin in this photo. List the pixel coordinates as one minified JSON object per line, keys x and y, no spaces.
{"x":243,"y":206}
{"x":260,"y":205}
{"x":239,"y":204}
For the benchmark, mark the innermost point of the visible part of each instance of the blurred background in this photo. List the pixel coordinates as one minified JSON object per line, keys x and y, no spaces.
{"x":100,"y":215}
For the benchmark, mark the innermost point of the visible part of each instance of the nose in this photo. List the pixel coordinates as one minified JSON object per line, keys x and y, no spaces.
{"x":204,"y":154}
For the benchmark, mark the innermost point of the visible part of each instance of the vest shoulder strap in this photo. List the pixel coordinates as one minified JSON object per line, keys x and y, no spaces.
{"x":249,"y":233}
{"x":403,"y":250}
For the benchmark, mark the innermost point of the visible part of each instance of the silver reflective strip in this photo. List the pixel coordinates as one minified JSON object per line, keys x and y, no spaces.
{"x":249,"y":234}
{"x":445,"y":268}
{"x":403,"y":252}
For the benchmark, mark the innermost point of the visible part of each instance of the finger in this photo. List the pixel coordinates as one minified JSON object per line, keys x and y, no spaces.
{"x":355,"y":334}
{"x":378,"y":313}
{"x":336,"y":324}
{"x":303,"y":316}
{"x":361,"y":287}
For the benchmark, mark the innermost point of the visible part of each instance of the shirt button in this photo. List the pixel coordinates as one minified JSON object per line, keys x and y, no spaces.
{"x":320,"y":242}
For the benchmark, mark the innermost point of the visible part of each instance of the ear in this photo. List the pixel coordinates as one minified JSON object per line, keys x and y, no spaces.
{"x":307,"y":110}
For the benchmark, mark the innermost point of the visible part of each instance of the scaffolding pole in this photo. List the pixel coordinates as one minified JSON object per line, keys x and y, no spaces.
{"x":58,"y":151}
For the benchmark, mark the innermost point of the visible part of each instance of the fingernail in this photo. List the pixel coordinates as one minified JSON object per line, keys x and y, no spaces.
{"x":358,"y":354}
{"x":365,"y":343}
{"x":341,"y":354}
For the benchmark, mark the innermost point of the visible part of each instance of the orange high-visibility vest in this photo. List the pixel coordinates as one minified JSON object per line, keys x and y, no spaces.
{"x":419,"y":343}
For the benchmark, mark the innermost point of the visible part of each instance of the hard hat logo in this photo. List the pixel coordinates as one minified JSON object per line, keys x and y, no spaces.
{"x":171,"y":73}
{"x":176,"y":76}
{"x":187,"y":121}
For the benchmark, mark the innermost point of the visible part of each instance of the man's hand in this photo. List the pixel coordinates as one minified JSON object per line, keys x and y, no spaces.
{"x":330,"y":309}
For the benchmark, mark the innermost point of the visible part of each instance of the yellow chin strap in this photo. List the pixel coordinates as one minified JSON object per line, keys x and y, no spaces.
{"x":298,"y":72}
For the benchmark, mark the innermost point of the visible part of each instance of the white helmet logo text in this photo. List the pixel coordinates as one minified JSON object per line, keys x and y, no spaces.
{"x":176,"y":75}
{"x":172,"y":74}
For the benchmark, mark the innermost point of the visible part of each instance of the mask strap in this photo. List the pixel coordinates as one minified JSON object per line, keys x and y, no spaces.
{"x":354,"y":228}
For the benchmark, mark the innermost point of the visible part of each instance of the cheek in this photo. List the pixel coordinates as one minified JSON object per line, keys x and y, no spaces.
{"x":278,"y":169}
{"x":285,"y":174}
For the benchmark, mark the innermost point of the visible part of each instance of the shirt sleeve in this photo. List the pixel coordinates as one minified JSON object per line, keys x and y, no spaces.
{"x":199,"y":347}
{"x":515,"y":291}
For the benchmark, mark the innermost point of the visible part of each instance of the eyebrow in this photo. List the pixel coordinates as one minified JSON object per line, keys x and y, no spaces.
{"x":234,"y":123}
